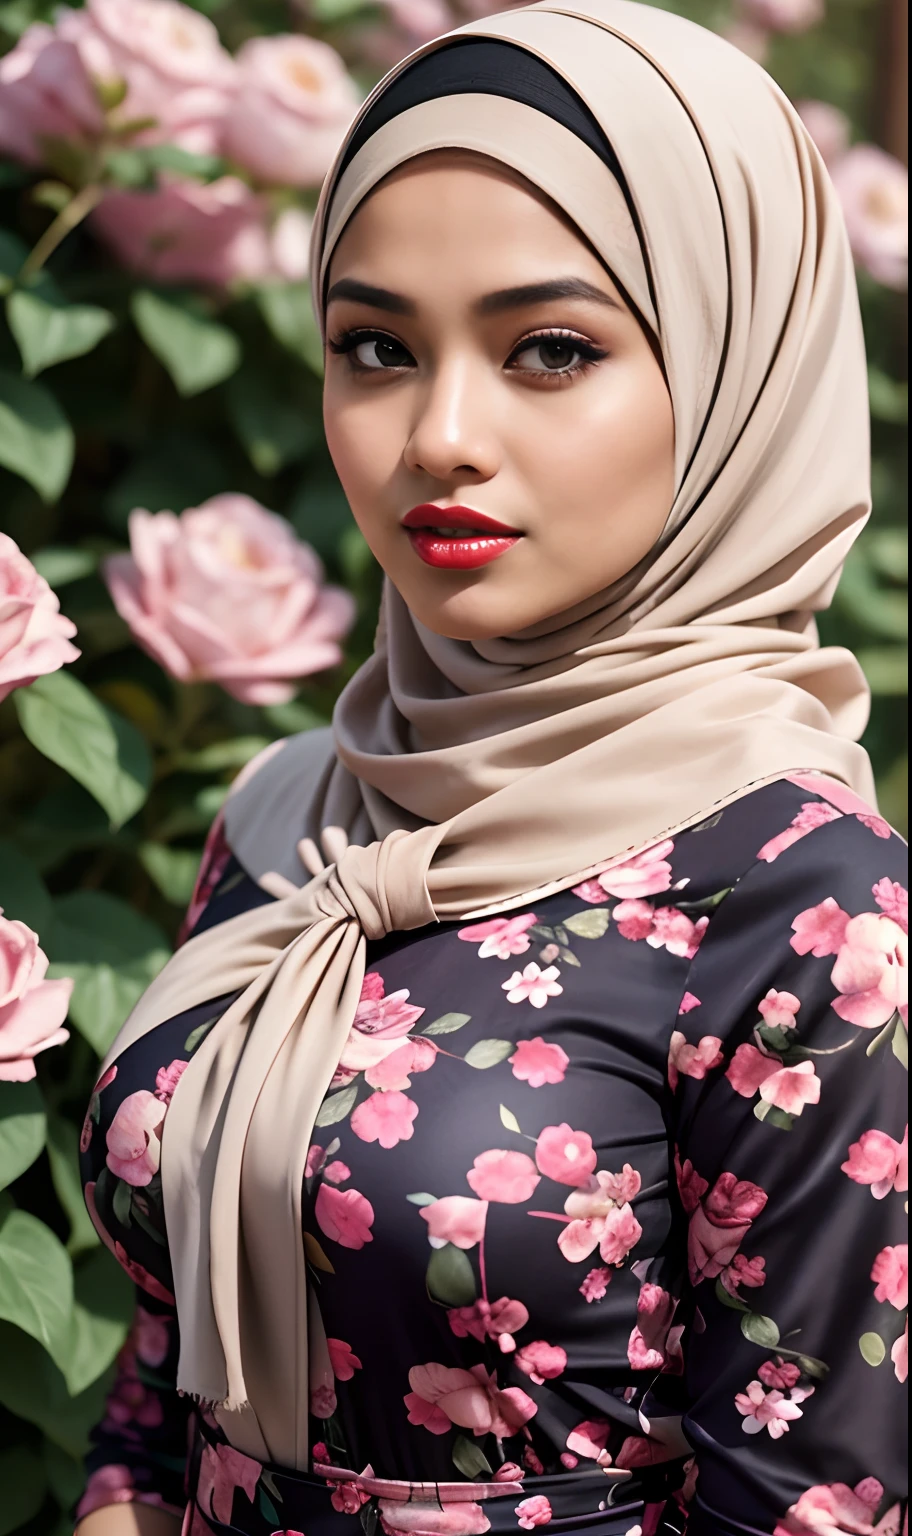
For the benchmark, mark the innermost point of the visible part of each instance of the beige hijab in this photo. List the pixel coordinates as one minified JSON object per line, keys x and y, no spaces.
{"x":479,"y":775}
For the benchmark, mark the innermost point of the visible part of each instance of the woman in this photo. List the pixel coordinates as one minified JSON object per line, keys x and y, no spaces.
{"x":580,"y":1068}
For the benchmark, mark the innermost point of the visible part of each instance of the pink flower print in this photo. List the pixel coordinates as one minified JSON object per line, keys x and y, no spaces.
{"x":541,"y":1361}
{"x":634,"y":919}
{"x":167,"y":1079}
{"x":899,"y":1354}
{"x":871,"y":972}
{"x":779,"y":1374}
{"x":508,"y":1472}
{"x":589,"y":1439}
{"x":320,"y":1455}
{"x":497,"y":1320}
{"x":691,"y":1186}
{"x":772,"y":1411}
{"x":812,"y":814}
{"x":876,"y":824}
{"x":417,"y":1518}
{"x":85,"y":1138}
{"x":565,"y":1155}
{"x":791,"y":1088}
{"x":323,"y":1400}
{"x":749,"y":1069}
{"x":471,"y":1399}
{"x":223,"y":1470}
{"x":344,"y":1216}
{"x":134,"y":1138}
{"x":532,"y":1461}
{"x":595,"y":1284}
{"x":692,"y":1060}
{"x":531,"y":1513}
{"x":891,"y":1272}
{"x":623,"y":1186}
{"x":646,"y":1348}
{"x":130,"y":1402}
{"x":893,"y":900}
{"x":372,"y":988}
{"x":591,"y":891}
{"x":379,"y":1026}
{"x":343,"y":1360}
{"x":779,"y":1009}
{"x":569,"y":1461}
{"x":820,"y":930}
{"x":688,"y":1003}
{"x":720,"y":1224}
{"x":138,"y":1275}
{"x":149,"y":1337}
{"x":674,"y":931}
{"x":385,"y":1117}
{"x":879,"y":1161}
{"x":346,"y":1499}
{"x":456,"y":1219}
{"x":508,"y":1177}
{"x":501,"y":936}
{"x":336,"y":1172}
{"x":597,"y":1221}
{"x":747,"y":1272}
{"x":111,"y":1484}
{"x":536,"y":1062}
{"x":315,"y":1159}
{"x":533,"y":985}
{"x":833,"y":1509}
{"x":646,"y":874}
{"x":394,"y":1071}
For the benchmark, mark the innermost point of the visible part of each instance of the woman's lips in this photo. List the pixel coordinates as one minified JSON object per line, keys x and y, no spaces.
{"x":457,"y":538}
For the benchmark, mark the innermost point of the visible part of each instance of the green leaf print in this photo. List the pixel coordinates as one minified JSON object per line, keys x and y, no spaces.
{"x":337,"y":1106}
{"x":873,"y":1349}
{"x":447,"y":1024}
{"x":450,"y":1278}
{"x":421,"y":1199}
{"x":760,"y":1330}
{"x":589,"y":925}
{"x":470,"y":1460}
{"x":508,"y":1119}
{"x":488,"y":1053}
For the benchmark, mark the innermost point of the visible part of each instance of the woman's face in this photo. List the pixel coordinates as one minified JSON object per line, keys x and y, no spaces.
{"x":482,"y":365}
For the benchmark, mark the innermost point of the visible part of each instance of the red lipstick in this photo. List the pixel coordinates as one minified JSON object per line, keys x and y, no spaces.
{"x":457,"y":538}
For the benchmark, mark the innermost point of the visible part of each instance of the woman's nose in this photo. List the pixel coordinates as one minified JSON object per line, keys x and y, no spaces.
{"x":453,"y":432}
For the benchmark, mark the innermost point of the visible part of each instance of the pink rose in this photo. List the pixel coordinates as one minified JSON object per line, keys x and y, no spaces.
{"x":385,"y":1117}
{"x":34,"y":635}
{"x":536,"y":1062}
{"x":674,"y":931}
{"x":871,"y":971}
{"x":508,"y":1177}
{"x":595,"y":1284}
{"x":344,"y":1215}
{"x":692,"y":1060}
{"x":418,"y":1518}
{"x":771,"y":1411}
{"x":720,"y":1224}
{"x":646,"y":874}
{"x":749,"y":1069}
{"x":820,"y":930}
{"x":167,"y":1079}
{"x":565,"y":1155}
{"x":833,"y":1509}
{"x":779,"y":1009}
{"x":634,"y":919}
{"x":791,"y":1088}
{"x":381,"y":1024}
{"x":893,"y":900}
{"x":134,"y":1138}
{"x":828,"y":127}
{"x":294,"y":101}
{"x":790,"y":16}
{"x":813,"y":814}
{"x":879,"y":1161}
{"x":228,"y":593}
{"x":45,"y":93}
{"x":495,"y":1320}
{"x":691,"y":1186}
{"x":873,"y":189}
{"x":223,"y":1471}
{"x":899,"y":1354}
{"x":500,"y":936}
{"x":456,"y":1219}
{"x":541,"y":1361}
{"x":343,"y":1360}
{"x":32,"y":1010}
{"x":589,"y":1439}
{"x":778,"y":1373}
{"x":531,"y":1513}
{"x":470,"y":1399}
{"x":891,"y":1272}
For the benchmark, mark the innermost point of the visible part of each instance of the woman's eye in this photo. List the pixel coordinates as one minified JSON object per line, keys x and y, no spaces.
{"x":553,"y":354}
{"x":380,"y":352}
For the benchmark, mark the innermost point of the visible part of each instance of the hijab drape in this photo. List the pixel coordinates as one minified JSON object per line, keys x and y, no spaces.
{"x":479,"y":774}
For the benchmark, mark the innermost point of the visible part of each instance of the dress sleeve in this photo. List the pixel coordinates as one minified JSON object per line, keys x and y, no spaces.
{"x":789,"y":1071}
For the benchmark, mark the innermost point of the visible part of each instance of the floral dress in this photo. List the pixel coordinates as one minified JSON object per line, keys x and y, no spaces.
{"x":604,"y":1210}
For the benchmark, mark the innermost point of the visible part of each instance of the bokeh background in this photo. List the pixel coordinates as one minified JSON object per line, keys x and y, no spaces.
{"x":159,"y":164}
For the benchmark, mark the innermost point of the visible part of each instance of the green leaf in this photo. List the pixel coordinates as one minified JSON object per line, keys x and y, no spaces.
{"x":173,"y":870}
{"x":488,"y":1053}
{"x":32,"y":1386}
{"x":13,"y":252}
{"x":287,"y":309}
{"x":273,"y":429}
{"x":447,"y":1024}
{"x":60,"y":566}
{"x":889,"y":398}
{"x":48,"y":330}
{"x":289,"y":719}
{"x":65,"y":1474}
{"x":812,"y":1367}
{"x":112,"y":952}
{"x":509,"y":1120}
{"x":567,"y":956}
{"x":450,"y":1278}
{"x":102,"y":1311}
{"x":873,"y":1349}
{"x":99,"y":748}
{"x":760,"y":1330}
{"x":23,"y":1480}
{"x":422,"y":1199}
{"x":63,"y":1154}
{"x":222,"y":755}
{"x":196,"y":351}
{"x":470,"y":1460}
{"x":779,"y":1118}
{"x":728,"y":1300}
{"x":887,"y":668}
{"x":901,"y":1044}
{"x":588,"y":925}
{"x":23,"y":1128}
{"x":337,"y":1106}
{"x":337,"y":10}
{"x":36,"y":1280}
{"x":36,"y":440}
{"x":121,"y":1201}
{"x":23,"y":894}
{"x":197,"y":1035}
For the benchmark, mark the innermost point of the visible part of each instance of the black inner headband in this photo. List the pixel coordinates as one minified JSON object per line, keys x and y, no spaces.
{"x":489,"y":68}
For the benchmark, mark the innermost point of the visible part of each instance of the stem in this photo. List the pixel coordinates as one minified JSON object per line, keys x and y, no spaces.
{"x":77,"y":209}
{"x":481,"y":1269}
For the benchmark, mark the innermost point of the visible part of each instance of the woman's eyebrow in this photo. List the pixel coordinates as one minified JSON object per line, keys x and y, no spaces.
{"x":541,"y":293}
{"x":366,"y":293}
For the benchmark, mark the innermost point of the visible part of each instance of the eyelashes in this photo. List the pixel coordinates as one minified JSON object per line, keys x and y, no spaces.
{"x":563,"y":354}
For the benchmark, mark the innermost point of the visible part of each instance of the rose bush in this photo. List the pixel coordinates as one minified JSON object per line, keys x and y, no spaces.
{"x":181,"y":585}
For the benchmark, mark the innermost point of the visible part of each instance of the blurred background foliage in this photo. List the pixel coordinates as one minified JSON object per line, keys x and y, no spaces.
{"x":120,"y":388}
